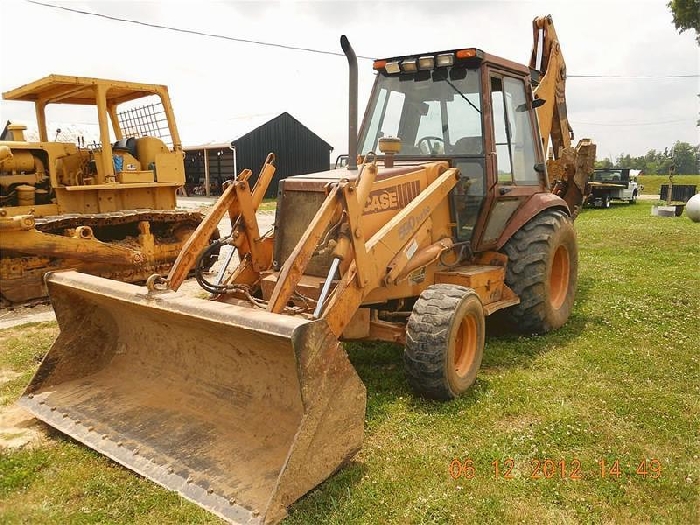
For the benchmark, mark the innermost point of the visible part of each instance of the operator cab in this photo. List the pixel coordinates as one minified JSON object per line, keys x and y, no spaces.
{"x":472,"y":109}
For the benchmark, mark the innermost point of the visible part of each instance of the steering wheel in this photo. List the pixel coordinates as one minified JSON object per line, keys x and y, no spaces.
{"x":427,"y":148}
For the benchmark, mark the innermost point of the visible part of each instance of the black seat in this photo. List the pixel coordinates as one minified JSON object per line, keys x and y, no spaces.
{"x":473,"y":145}
{"x":128,"y":145}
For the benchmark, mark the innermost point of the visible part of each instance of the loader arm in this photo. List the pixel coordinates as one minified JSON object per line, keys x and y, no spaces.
{"x":379,"y":251}
{"x":238,"y":200}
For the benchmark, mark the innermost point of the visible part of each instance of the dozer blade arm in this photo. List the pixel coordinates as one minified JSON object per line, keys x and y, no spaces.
{"x":18,"y":235}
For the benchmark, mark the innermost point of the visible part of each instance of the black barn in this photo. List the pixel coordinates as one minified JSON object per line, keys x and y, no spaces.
{"x":297,"y":149}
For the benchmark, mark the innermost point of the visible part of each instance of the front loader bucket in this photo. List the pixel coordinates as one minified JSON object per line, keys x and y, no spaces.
{"x":237,"y":409}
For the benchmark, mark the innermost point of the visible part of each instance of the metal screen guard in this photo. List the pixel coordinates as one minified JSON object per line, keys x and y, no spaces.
{"x":238,"y":410}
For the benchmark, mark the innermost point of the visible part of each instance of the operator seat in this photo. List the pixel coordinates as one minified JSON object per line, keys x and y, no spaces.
{"x":128,"y":145}
{"x":469,"y":145}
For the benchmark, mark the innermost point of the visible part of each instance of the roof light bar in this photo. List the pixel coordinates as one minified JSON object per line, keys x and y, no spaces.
{"x":409,"y":65}
{"x":426,"y":62}
{"x":466,"y":53}
{"x":444,"y":60}
{"x":393,"y":67}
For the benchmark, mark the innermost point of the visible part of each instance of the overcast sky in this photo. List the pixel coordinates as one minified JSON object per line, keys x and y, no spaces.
{"x":217,"y":84}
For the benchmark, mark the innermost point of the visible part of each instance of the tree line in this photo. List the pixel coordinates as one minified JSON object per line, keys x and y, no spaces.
{"x":683,"y":157}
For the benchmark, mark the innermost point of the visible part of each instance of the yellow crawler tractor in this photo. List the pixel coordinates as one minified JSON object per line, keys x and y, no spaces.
{"x":104,"y":208}
{"x":245,"y":402}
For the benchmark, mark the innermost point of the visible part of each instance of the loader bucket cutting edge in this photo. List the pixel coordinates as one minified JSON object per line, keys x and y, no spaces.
{"x":239,"y":410}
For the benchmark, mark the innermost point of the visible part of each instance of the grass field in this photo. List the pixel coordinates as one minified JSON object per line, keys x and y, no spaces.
{"x":652,"y":183}
{"x":620,"y":383}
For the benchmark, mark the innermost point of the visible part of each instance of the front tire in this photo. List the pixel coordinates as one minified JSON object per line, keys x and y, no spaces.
{"x":542,"y":270}
{"x":444,"y":341}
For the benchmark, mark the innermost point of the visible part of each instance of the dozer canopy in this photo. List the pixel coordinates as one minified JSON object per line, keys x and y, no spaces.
{"x":237,"y":409}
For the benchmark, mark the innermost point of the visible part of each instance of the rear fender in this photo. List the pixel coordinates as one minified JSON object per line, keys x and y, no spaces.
{"x":533,"y":206}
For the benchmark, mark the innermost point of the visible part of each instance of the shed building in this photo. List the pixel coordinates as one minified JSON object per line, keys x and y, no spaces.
{"x":297,"y":149}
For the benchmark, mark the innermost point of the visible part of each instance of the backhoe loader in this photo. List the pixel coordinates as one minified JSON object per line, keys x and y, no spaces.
{"x":245,"y":402}
{"x":105,"y":208}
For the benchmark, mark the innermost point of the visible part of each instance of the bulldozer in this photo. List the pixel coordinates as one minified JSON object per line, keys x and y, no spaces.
{"x":447,"y":212}
{"x":105,"y":208}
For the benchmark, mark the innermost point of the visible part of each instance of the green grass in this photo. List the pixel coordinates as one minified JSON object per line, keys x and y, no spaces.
{"x":21,"y":351}
{"x":620,"y":381}
{"x":652,"y":183}
{"x":268,"y":204}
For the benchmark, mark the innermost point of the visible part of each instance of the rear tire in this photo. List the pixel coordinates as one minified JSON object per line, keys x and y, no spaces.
{"x":444,"y":341}
{"x":542,"y":270}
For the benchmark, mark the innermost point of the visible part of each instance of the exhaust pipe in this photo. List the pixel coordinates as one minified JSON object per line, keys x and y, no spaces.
{"x":352,"y":114}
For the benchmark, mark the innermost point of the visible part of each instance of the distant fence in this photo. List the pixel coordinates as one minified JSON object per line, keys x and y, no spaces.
{"x":681,"y":192}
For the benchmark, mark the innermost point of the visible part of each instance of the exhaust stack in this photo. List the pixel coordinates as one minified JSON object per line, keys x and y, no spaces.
{"x":352,"y":93}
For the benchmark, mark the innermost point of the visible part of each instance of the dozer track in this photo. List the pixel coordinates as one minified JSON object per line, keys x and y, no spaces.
{"x":21,"y":274}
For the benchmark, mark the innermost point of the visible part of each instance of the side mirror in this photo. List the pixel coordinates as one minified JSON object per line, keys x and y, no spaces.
{"x":522,"y":108}
{"x":538,"y":102}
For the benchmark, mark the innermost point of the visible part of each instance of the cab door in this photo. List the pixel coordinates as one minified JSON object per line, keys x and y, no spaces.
{"x":512,"y":152}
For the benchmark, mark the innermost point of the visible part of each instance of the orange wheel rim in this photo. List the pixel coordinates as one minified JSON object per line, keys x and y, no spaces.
{"x":559,"y":278}
{"x":465,"y":345}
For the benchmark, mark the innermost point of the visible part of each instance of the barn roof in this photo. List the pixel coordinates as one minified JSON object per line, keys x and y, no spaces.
{"x":241,"y":127}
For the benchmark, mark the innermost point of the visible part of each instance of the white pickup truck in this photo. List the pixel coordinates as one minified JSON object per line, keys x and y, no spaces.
{"x":609,"y":184}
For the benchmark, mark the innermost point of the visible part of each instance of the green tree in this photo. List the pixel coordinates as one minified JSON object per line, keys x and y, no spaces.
{"x":686,"y":158}
{"x":686,"y":15}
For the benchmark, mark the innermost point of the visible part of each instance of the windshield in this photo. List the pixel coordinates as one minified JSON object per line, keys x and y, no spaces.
{"x":433,"y":113}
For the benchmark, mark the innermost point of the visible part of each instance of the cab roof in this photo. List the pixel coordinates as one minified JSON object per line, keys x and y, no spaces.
{"x":61,"y":89}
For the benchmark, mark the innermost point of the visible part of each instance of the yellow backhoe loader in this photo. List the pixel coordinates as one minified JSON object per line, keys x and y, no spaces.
{"x":245,"y":402}
{"x":104,"y":208}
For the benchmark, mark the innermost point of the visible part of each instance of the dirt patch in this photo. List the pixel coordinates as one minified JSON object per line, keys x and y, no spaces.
{"x":8,"y":375}
{"x":19,"y":429}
